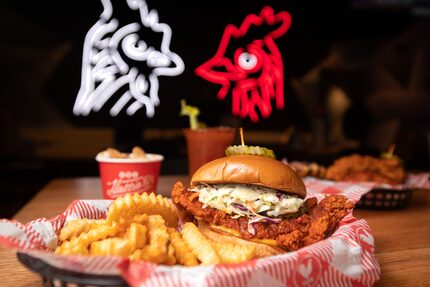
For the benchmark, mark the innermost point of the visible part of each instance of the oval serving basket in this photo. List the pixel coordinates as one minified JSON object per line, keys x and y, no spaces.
{"x":52,"y":276}
{"x":385,"y":198}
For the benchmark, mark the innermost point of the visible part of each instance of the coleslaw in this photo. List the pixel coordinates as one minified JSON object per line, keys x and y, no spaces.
{"x":248,"y":200}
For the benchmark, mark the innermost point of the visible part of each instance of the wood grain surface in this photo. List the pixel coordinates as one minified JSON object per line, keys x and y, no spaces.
{"x":402,"y":237}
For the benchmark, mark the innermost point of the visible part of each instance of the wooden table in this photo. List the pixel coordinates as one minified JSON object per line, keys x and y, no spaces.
{"x":402,"y":237}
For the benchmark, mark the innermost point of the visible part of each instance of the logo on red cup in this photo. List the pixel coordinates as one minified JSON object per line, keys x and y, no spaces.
{"x":130,"y":182}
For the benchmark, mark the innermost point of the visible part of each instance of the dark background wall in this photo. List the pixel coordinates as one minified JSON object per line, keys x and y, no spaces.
{"x":356,"y":80}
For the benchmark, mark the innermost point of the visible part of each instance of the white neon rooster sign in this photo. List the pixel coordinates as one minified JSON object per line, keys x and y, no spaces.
{"x":108,"y":50}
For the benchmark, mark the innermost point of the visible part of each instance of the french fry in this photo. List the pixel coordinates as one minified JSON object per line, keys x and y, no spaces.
{"x":156,"y":250}
{"x":141,"y":219}
{"x":170,"y":258}
{"x":111,"y":246}
{"x":97,"y":233}
{"x":123,"y":209}
{"x":75,"y":227}
{"x":138,"y":255}
{"x":136,"y":236}
{"x":199,"y":245}
{"x":152,"y":204}
{"x":233,"y":253}
{"x":183,"y":254}
{"x":66,"y":248}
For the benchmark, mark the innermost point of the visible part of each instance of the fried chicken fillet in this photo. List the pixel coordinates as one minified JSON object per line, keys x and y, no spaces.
{"x":366,"y":168}
{"x":317,"y":222}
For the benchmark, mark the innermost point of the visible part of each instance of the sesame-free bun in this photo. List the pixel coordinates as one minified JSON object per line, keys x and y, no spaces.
{"x":263,"y":248}
{"x":251,"y":169}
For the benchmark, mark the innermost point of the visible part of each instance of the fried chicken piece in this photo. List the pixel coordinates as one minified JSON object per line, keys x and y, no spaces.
{"x":366,"y":168}
{"x":318,"y":222}
{"x":304,"y":169}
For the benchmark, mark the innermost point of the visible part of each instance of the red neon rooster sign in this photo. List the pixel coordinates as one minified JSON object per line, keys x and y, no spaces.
{"x":256,"y":71}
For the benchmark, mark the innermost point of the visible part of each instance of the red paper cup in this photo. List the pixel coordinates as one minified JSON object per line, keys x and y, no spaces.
{"x":120,"y":176}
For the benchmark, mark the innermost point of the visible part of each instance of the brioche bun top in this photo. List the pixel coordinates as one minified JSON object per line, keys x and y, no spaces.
{"x":251,"y":169}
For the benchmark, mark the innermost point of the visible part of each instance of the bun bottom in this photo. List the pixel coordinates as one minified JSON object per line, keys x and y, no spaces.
{"x":222,"y":234}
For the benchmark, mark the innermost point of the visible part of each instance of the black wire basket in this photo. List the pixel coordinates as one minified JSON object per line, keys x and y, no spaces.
{"x":55,"y":277}
{"x":384,"y":198}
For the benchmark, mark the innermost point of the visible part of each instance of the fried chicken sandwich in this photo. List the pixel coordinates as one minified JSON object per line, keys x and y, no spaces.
{"x":257,"y":200}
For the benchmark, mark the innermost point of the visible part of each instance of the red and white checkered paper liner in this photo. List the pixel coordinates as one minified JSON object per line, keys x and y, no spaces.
{"x":346,"y":258}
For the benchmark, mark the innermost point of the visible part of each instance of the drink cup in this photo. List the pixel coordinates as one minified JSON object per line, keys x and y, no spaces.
{"x":206,"y":144}
{"x":120,"y":176}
